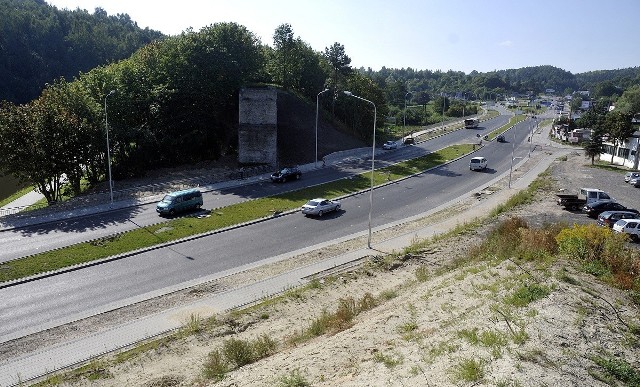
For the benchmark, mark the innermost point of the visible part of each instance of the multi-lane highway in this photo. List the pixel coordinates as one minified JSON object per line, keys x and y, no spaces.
{"x":52,"y":301}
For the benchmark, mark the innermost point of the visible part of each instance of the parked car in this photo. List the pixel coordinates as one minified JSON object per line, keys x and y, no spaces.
{"x":609,"y":218}
{"x":289,"y":173}
{"x":630,"y":175}
{"x":477,"y":163}
{"x":390,"y":145}
{"x":179,"y":201}
{"x":409,"y":140}
{"x":635,"y":181}
{"x":320,"y":206}
{"x":574,"y":202}
{"x":501,"y":138}
{"x":596,"y":208}
{"x":628,"y":226}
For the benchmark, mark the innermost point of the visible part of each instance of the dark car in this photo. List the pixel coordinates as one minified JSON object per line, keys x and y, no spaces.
{"x":501,"y":138}
{"x":289,"y":173}
{"x":409,"y":140}
{"x":609,"y":218}
{"x":594,"y":209}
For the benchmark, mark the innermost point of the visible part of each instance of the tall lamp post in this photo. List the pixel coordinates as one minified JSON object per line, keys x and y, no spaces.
{"x":106,"y":127}
{"x":317,"y":106}
{"x":373,"y":156}
{"x":443,"y":101}
{"x":404,"y":118}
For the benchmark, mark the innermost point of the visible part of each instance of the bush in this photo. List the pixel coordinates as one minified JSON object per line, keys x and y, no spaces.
{"x":216,"y":366}
{"x":239,"y":352}
{"x":602,"y":253}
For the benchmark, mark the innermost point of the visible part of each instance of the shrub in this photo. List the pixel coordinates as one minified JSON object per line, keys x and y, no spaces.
{"x":602,"y":253}
{"x":216,"y":366}
{"x":527,"y":294}
{"x":264,"y":346}
{"x":294,"y":379}
{"x":468,"y":370}
{"x":239,"y":352}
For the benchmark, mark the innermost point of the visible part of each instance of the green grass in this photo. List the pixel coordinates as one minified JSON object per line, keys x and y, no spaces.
{"x":225,"y":217}
{"x":15,"y":196}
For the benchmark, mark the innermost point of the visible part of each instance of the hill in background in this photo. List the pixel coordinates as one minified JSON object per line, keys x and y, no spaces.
{"x":39,"y":43}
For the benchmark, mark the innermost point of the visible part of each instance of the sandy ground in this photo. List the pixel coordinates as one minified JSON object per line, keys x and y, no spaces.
{"x":439,"y":318}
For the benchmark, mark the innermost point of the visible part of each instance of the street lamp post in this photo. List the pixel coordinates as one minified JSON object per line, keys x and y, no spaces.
{"x":443,"y":100}
{"x":513,"y":148}
{"x":317,"y":106}
{"x":106,"y":127}
{"x":373,"y":156}
{"x":404,"y":118}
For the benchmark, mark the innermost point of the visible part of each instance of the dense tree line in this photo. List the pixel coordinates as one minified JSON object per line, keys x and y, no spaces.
{"x":39,"y":43}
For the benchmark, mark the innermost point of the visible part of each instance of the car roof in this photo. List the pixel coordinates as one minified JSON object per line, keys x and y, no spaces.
{"x":611,"y":212}
{"x":477,"y":158}
{"x":629,"y":220}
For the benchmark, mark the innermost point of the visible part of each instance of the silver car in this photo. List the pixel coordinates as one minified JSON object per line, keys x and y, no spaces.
{"x":631,"y":176}
{"x":320,"y":206}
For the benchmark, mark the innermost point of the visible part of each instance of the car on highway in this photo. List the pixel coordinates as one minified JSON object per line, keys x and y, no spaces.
{"x":320,"y":206}
{"x":288,"y":173}
{"x":390,"y":145}
{"x":409,"y":141}
{"x":477,"y":163}
{"x":596,"y":208}
{"x":630,"y":227}
{"x":631,"y":176}
{"x":501,"y":138}
{"x":179,"y":201}
{"x":609,"y":218}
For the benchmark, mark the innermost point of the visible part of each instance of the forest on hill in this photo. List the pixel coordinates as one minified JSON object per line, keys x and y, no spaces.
{"x":39,"y":43}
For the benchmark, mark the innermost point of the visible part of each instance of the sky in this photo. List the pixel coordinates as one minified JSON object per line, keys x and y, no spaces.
{"x":459,"y":35}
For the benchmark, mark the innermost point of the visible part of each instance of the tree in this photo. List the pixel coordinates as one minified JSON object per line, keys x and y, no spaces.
{"x":619,"y":128}
{"x":339,"y":62}
{"x":29,"y":146}
{"x":595,"y":146}
{"x":284,"y":64}
{"x":294,"y":64}
{"x":629,"y":102}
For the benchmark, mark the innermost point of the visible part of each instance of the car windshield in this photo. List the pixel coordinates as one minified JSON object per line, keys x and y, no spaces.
{"x":168,"y":198}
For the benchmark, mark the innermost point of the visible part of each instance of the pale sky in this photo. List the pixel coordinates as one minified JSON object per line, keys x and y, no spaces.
{"x":460,"y":35}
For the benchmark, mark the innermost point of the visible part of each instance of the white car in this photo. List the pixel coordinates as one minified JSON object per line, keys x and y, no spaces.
{"x":477,"y":163}
{"x":628,"y":226}
{"x":320,"y":206}
{"x":631,"y":176}
{"x":390,"y":145}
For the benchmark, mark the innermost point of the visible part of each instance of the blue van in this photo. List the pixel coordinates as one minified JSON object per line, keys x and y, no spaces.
{"x":179,"y":201}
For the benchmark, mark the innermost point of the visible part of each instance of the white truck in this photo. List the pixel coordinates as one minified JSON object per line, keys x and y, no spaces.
{"x":586,"y":195}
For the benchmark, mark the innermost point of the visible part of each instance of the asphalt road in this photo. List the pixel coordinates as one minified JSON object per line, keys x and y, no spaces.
{"x":52,"y":301}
